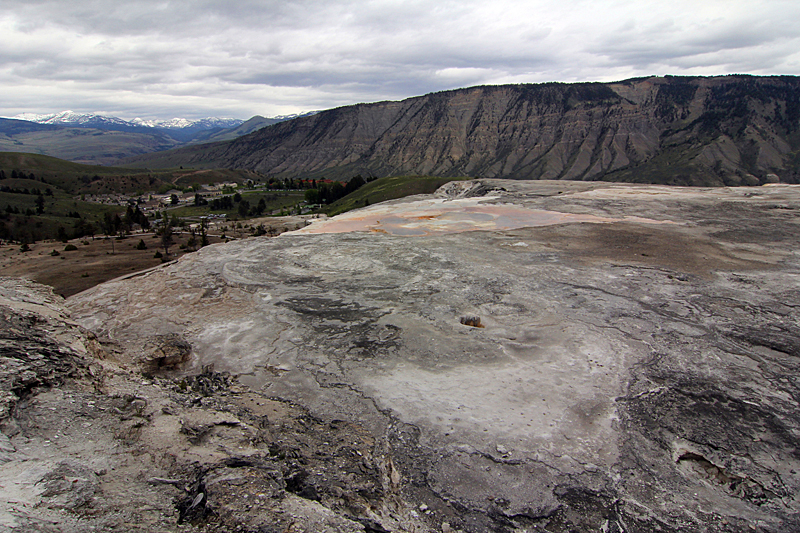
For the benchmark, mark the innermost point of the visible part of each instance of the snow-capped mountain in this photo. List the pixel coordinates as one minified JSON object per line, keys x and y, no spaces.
{"x":181,"y":123}
{"x":72,"y":118}
{"x":53,"y":134}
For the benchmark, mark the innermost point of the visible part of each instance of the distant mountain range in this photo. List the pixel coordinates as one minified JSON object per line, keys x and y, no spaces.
{"x":728,"y":130}
{"x":99,"y":139}
{"x":71,"y":118}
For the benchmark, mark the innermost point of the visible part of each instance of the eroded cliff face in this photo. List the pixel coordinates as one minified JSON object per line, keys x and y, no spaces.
{"x":734,"y":130}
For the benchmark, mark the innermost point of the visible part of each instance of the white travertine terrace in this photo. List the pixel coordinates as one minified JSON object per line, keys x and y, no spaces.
{"x":625,"y":330}
{"x":439,"y":216}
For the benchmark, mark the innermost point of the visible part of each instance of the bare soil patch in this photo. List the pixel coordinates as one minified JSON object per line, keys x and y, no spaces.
{"x":93,"y":262}
{"x":101,"y":259}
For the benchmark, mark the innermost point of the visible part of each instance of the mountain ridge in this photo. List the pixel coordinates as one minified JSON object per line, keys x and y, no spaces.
{"x":98,"y":139}
{"x":73,"y":118}
{"x":727,"y":130}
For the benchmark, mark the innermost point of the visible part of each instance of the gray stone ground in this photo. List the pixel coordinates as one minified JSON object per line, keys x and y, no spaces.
{"x":631,"y":365}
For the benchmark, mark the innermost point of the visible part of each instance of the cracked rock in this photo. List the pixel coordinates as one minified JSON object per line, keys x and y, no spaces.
{"x":636,"y":370}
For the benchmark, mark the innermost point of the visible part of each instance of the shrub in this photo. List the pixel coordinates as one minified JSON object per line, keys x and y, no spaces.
{"x":141,"y":245}
{"x":158,"y":255}
{"x":25,"y":248}
{"x":70,"y":248}
{"x":54,"y":253}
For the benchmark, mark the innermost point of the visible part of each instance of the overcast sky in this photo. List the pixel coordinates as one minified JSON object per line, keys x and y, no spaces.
{"x":163,"y":59}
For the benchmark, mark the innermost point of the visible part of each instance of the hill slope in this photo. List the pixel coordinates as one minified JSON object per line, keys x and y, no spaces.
{"x":75,"y":178}
{"x":249,"y":126}
{"x":87,"y":145}
{"x":702,"y":131}
{"x":101,"y":140}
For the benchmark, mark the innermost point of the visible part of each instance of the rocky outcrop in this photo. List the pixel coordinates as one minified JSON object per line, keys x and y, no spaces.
{"x":732,"y":130}
{"x":88,"y":443}
{"x":634,"y":370}
{"x":501,"y":356}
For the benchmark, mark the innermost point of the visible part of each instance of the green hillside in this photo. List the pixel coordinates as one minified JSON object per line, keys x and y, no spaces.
{"x":384,"y":189}
{"x":75,"y":178}
{"x":84,"y":145}
{"x":42,"y":197}
{"x":47,"y":212}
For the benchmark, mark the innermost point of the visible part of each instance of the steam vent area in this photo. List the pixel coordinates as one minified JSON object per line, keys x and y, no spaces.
{"x":504,"y":356}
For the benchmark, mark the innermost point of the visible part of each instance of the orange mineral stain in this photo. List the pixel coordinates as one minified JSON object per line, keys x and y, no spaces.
{"x":438,"y":217}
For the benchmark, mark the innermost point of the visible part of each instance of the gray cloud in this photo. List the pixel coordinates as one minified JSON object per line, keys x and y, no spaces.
{"x":165,"y":58}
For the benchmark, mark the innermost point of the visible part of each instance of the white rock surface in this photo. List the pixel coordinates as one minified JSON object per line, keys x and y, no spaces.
{"x":634,"y":339}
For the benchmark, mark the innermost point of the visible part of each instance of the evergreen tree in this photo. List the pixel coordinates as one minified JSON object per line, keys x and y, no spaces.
{"x":203,"y":232}
{"x":355,"y":183}
{"x":166,"y":239}
{"x":141,"y":219}
{"x":244,"y":208}
{"x":128,"y":219}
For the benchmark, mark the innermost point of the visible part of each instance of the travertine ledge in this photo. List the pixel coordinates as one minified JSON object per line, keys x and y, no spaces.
{"x":630,"y":365}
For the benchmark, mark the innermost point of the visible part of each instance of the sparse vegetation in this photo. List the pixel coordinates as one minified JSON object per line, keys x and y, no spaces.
{"x":384,"y":189}
{"x":46,"y":198}
{"x":166,"y":239}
